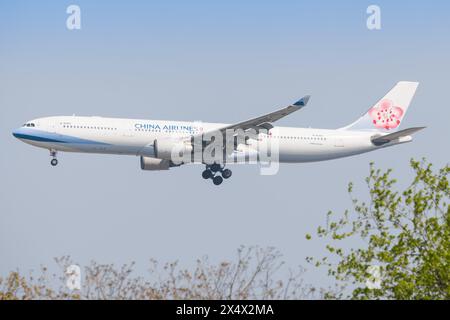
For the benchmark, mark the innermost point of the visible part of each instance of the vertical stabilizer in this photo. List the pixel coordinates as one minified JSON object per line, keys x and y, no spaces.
{"x":388,"y":113}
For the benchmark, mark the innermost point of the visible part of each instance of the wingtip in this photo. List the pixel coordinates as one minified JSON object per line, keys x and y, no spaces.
{"x":303,"y":101}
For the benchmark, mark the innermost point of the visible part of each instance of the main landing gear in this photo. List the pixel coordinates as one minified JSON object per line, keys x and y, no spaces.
{"x":54,"y":161}
{"x":217,"y":173}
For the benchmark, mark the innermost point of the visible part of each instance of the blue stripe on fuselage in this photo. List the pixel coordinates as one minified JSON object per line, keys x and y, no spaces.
{"x":43,"y":136}
{"x":34,"y":138}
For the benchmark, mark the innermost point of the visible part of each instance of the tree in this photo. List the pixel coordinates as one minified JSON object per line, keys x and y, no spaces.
{"x":405,"y":236}
{"x":254,"y":275}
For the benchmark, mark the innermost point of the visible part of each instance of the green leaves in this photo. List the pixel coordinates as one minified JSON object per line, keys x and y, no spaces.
{"x":407,"y":234}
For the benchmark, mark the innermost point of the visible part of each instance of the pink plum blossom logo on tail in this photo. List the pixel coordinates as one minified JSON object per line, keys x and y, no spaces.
{"x":385,"y":115}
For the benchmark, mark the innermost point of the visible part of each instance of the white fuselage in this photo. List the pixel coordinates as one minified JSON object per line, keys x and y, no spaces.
{"x":136,"y":137}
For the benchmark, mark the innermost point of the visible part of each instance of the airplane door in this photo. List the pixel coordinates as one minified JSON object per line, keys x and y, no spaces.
{"x":51,"y":127}
{"x":339,"y":143}
{"x":128,"y":133}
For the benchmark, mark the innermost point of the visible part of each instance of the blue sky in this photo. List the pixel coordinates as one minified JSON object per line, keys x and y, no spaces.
{"x":212,"y":61}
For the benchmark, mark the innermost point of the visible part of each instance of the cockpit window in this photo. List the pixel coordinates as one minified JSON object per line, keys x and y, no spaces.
{"x":29,"y":125}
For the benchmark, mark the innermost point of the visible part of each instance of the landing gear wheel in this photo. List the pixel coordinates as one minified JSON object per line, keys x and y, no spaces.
{"x":226,"y":173}
{"x":217,"y":180}
{"x":54,"y":162}
{"x":207,"y":174}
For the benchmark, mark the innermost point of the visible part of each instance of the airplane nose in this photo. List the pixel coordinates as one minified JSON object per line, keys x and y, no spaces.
{"x":18,"y":133}
{"x":15,"y":133}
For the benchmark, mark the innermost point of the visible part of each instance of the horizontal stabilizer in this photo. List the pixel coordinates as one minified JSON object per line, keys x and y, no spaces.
{"x":380,"y":140}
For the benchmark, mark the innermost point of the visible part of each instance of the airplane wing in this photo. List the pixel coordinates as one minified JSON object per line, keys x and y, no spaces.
{"x":264,"y":121}
{"x":380,"y":140}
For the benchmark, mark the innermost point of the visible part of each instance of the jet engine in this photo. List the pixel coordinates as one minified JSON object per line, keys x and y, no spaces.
{"x":149,"y":163}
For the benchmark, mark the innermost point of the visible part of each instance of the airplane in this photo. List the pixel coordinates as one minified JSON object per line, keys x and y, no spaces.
{"x":154,"y":140}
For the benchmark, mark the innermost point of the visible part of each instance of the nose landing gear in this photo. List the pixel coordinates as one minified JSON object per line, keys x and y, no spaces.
{"x":54,"y":161}
{"x":217,"y":173}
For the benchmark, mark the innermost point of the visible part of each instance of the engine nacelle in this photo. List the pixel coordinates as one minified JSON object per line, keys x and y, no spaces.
{"x":173,"y":150}
{"x":149,"y":163}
